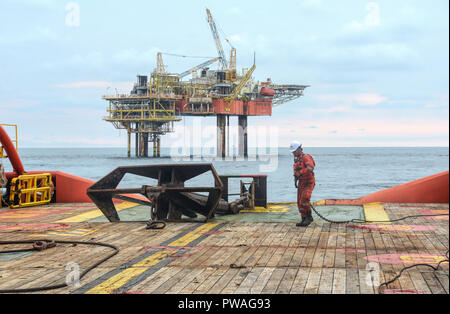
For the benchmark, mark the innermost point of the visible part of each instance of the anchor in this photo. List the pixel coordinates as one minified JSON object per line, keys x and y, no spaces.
{"x":170,"y":199}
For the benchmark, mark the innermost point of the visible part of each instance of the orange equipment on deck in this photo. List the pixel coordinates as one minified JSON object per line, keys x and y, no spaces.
{"x":432,"y":189}
{"x":11,"y":152}
{"x":68,"y":188}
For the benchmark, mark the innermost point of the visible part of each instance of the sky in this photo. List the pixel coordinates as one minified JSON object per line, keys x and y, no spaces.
{"x":378,"y":70}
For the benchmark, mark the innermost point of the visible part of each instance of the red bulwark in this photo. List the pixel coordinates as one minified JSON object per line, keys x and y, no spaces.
{"x":432,"y":189}
{"x":72,"y":189}
{"x":69,"y":188}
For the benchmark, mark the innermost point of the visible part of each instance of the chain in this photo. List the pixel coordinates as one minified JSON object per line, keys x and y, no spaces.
{"x":153,"y":223}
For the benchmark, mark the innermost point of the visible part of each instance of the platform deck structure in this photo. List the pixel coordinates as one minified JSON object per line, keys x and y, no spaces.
{"x":148,"y":117}
{"x":258,"y":252}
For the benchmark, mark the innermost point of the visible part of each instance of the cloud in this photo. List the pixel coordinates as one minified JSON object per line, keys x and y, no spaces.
{"x":440,"y":102}
{"x":355,"y":130}
{"x":334,"y":109}
{"x":368,"y":99}
{"x":361,"y":56}
{"x":37,"y":34}
{"x":235,"y":11}
{"x":98,"y":59}
{"x":351,"y":99}
{"x":235,"y":38}
{"x":97,"y":84}
{"x":47,"y":4}
{"x":135,"y":56}
{"x":58,"y":141}
{"x":315,"y":4}
{"x":19,"y":103}
{"x":372,"y":19}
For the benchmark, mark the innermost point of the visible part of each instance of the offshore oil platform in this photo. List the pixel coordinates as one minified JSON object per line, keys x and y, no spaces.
{"x":156,"y":102}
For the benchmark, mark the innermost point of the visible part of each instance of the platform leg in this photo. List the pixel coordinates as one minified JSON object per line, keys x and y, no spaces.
{"x":221,"y":136}
{"x":243,"y":138}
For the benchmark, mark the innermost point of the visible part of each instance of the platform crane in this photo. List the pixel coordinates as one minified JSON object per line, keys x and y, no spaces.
{"x":237,"y":90}
{"x":198,"y":67}
{"x":216,"y":37}
{"x":160,"y":67}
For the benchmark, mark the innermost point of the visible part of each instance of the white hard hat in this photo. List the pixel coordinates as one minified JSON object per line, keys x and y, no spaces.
{"x":294,"y":146}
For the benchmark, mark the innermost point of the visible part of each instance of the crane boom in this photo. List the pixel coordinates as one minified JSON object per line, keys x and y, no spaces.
{"x":237,"y":90}
{"x":198,"y":67}
{"x":215,"y":34}
{"x":244,"y":80}
{"x":160,"y":67}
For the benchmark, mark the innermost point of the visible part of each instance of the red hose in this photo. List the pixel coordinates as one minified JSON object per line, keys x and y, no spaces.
{"x":11,"y":152}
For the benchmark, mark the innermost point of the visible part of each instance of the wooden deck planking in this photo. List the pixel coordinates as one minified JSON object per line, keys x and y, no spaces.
{"x":300,"y":281}
{"x":262,"y":280}
{"x":224,"y":281}
{"x":249,"y":281}
{"x":238,"y":258}
{"x":287,"y":281}
{"x":274,"y":281}
{"x":420,"y":285}
{"x":312,"y":286}
{"x":326,"y":281}
{"x":339,"y":281}
{"x":433,"y":284}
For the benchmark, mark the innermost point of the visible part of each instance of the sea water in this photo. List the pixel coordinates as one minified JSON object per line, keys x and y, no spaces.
{"x":341,"y":173}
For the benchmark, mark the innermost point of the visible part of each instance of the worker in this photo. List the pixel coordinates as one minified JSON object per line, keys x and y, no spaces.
{"x":304,"y":181}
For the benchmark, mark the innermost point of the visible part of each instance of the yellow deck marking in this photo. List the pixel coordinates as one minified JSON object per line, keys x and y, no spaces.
{"x":117,"y":281}
{"x":95,"y":213}
{"x":195,"y":234}
{"x":376,"y":212}
{"x":423,"y":259}
{"x":135,"y":270}
{"x":319,"y":203}
{"x":269,"y":209}
{"x":28,"y":213}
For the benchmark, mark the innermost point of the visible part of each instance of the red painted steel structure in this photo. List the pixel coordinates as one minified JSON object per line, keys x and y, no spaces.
{"x":11,"y":151}
{"x":258,"y":107}
{"x":432,"y":189}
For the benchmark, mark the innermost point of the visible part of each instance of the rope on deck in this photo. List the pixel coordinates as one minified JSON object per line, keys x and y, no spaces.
{"x":364,"y":221}
{"x":40,"y":245}
{"x":435,"y":269}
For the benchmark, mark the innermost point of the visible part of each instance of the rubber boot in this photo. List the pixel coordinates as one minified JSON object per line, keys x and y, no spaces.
{"x":306,"y":221}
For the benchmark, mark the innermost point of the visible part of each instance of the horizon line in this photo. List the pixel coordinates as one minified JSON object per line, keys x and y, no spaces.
{"x":282,"y":147}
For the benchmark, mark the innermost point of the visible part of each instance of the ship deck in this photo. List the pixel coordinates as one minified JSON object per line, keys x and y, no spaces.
{"x":260,"y":252}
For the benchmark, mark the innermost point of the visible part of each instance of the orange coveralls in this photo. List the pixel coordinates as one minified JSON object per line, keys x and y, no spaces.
{"x":304,"y":171}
